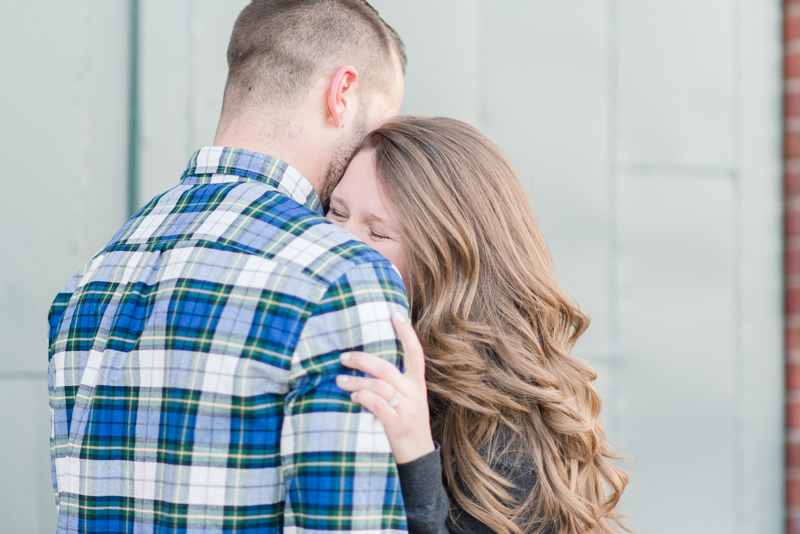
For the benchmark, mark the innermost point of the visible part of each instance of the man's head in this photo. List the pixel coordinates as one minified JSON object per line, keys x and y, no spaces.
{"x":307,"y":80}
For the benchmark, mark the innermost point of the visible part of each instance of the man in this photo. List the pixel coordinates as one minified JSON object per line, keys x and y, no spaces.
{"x":192,"y":360}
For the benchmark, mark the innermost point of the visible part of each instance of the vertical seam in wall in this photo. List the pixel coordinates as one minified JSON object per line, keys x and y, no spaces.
{"x":133,"y":110}
{"x":84,"y":135}
{"x":191,"y":67}
{"x":483,"y":112}
{"x":612,"y":414}
{"x":739,"y":494}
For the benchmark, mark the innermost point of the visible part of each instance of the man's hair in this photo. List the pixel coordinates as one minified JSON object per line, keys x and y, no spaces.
{"x":279,"y":47}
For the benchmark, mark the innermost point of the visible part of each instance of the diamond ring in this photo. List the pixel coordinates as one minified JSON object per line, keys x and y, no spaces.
{"x":394,"y":400}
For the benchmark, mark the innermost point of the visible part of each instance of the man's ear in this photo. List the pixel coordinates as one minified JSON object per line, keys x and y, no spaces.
{"x":341,"y":93}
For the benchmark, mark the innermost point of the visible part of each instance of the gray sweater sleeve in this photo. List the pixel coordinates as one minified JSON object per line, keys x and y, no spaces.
{"x":426,"y":500}
{"x":424,"y":494}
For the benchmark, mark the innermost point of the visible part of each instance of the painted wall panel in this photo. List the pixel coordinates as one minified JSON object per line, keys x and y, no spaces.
{"x":647,"y":135}
{"x":545,"y":102}
{"x":165,"y":110}
{"x":183,"y":70}
{"x":27,"y":504}
{"x":213,"y":22}
{"x":63,"y":142}
{"x":760,"y":501}
{"x":676,"y":371}
{"x":443,"y":42}
{"x":676,"y":82}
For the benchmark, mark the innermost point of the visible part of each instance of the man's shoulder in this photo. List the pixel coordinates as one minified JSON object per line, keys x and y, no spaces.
{"x":303,"y":240}
{"x":254,"y":219}
{"x":269,"y":253}
{"x":328,"y":253}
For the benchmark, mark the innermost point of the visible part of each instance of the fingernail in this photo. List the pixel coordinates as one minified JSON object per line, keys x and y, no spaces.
{"x":345,"y":356}
{"x":353,"y":396}
{"x":400,"y":317}
{"x":342,"y":379}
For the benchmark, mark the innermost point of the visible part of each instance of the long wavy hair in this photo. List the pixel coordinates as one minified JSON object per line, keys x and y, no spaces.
{"x":497,"y":329}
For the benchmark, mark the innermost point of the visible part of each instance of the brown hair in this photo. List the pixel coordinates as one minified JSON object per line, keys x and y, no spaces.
{"x":279,"y":46}
{"x":497,"y":329}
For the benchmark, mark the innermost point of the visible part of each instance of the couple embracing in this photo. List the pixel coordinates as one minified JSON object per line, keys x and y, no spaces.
{"x":339,"y":320}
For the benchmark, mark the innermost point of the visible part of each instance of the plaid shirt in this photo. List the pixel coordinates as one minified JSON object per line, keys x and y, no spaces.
{"x":192,"y":365}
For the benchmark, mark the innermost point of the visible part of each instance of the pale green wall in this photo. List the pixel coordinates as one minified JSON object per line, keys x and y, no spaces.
{"x":647,"y":134}
{"x":63,"y":144}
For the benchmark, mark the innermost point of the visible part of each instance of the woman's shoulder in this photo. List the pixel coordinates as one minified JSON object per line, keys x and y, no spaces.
{"x":507,"y":447}
{"x":509,"y":456}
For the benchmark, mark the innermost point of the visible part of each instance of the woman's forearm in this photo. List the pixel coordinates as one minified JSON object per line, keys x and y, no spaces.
{"x":424,"y":494}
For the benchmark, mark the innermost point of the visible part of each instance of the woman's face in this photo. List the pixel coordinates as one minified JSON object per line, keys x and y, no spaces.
{"x":358,"y":206}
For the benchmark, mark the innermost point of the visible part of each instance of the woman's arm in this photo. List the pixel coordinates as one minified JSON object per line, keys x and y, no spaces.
{"x":427,"y":502}
{"x":424,"y":495}
{"x":513,"y":465}
{"x":400,"y":402}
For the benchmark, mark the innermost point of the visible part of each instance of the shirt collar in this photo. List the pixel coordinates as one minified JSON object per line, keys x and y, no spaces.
{"x":216,"y":164}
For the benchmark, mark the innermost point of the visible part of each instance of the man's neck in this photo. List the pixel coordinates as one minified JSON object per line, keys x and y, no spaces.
{"x":282,"y":139}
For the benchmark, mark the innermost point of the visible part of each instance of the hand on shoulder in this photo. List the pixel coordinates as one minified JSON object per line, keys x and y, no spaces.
{"x":398,"y":400}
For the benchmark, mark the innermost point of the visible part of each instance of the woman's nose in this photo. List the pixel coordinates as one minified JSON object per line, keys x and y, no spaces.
{"x":351,"y":227}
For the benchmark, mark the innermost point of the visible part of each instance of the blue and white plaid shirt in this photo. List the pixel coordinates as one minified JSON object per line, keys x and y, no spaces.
{"x":192,"y":365}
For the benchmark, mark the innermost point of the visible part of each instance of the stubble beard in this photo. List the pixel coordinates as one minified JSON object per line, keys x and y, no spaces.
{"x":341,"y":158}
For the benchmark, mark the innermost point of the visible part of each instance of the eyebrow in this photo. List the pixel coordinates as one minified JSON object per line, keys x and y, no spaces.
{"x":374,"y":218}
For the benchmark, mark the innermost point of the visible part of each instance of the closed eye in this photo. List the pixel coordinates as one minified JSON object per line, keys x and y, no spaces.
{"x":337,"y":214}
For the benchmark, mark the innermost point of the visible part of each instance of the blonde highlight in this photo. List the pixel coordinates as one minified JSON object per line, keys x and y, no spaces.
{"x":497,"y":329}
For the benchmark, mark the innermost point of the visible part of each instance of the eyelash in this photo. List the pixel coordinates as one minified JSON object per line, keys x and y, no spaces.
{"x":371,"y":233}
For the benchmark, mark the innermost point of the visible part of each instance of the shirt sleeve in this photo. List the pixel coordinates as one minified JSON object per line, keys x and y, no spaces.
{"x":337,"y":465}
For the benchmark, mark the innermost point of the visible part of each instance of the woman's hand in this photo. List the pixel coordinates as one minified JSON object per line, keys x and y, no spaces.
{"x":399,"y":401}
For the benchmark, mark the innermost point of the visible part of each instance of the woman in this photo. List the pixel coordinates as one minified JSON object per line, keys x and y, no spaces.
{"x":522,"y":449}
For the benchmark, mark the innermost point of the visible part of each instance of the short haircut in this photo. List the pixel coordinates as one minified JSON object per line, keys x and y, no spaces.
{"x":279,"y":47}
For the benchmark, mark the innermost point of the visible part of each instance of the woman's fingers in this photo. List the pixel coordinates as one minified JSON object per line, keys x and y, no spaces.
{"x":373,"y":366}
{"x":357,"y":383}
{"x":378,"y":406}
{"x":412,"y":348}
{"x":397,"y":400}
